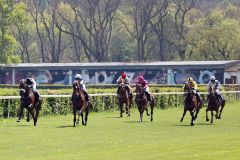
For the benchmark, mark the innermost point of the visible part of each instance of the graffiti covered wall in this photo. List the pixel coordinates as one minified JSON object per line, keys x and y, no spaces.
{"x":110,"y":76}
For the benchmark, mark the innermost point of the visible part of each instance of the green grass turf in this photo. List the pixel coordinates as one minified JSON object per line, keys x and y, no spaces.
{"x":108,"y":137}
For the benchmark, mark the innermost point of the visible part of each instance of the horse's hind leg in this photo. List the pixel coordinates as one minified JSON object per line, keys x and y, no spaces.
{"x":184,"y":113}
{"x":207,"y":119}
{"x":74,"y":118}
{"x":147,"y":112}
{"x":212,"y":116}
{"x":222,"y":106}
{"x":36,"y":116}
{"x":121,"y":109}
{"x":86,"y":116}
{"x":196,"y":114}
{"x":152,"y":113}
{"x":32,"y":114}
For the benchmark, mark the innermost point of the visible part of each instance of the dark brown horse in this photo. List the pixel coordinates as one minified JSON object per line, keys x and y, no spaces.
{"x":190,"y":104}
{"x":142,"y":102}
{"x":79,"y":104}
{"x":124,"y":98}
{"x":27,"y":101}
{"x":214,"y":104}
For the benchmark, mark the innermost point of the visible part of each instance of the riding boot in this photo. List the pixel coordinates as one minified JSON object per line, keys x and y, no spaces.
{"x":129,"y":92}
{"x":220,"y":97}
{"x":199,"y":100}
{"x":148,"y":96}
{"x":87,"y":98}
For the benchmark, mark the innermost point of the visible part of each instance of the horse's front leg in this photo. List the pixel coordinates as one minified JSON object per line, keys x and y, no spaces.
{"x":192,"y":119}
{"x":128,"y":108}
{"x":141,"y":110}
{"x":121,"y":109}
{"x":74,"y":117}
{"x":20,"y":113}
{"x":28,"y":116}
{"x":184,"y":113}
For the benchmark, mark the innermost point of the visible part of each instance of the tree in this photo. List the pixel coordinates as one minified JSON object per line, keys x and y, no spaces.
{"x":216,"y":36}
{"x":8,"y":43}
{"x":92,"y":26}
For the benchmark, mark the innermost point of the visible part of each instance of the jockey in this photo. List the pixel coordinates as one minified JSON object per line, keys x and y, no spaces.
{"x":216,"y":84}
{"x":143,"y":82}
{"x":31,"y":83}
{"x":193,"y":85}
{"x":78,"y":78}
{"x":124,"y":79}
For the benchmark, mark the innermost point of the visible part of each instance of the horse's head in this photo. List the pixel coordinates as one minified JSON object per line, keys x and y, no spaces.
{"x":139,"y":89}
{"x":76,"y":87}
{"x":122,"y":87}
{"x":22,"y":87}
{"x":212,"y":90}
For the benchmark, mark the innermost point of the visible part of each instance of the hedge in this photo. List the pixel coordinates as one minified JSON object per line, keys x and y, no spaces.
{"x":52,"y":106}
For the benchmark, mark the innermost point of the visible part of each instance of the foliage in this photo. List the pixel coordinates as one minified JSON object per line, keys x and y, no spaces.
{"x":100,"y":103}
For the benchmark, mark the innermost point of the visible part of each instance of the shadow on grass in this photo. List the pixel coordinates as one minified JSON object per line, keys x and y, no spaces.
{"x":181,"y":125}
{"x":136,"y":122}
{"x":19,"y":125}
{"x":204,"y":124}
{"x":114,"y":117}
{"x":66,"y":126}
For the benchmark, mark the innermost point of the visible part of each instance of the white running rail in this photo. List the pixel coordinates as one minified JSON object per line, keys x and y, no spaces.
{"x":108,"y":94}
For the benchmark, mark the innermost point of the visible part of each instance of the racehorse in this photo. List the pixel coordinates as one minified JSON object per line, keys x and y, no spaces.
{"x":142,"y":102}
{"x":28,"y":101}
{"x":190,"y":104}
{"x":79,"y":104}
{"x":214,"y":104}
{"x":124,"y":98}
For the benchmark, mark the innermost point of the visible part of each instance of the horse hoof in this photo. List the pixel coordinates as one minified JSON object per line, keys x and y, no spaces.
{"x":207,"y":120}
{"x":18,"y":120}
{"x":28,"y":120}
{"x":181,"y":121}
{"x":148,"y":114}
{"x":211,"y":121}
{"x":151,"y":119}
{"x":192,"y":124}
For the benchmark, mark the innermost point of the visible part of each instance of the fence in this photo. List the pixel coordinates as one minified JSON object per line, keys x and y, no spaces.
{"x":58,"y":104}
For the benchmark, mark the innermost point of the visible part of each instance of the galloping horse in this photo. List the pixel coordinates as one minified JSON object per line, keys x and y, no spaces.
{"x":190,"y":104}
{"x":142,"y":102}
{"x":79,"y":104}
{"x":124,"y":98}
{"x":214,"y":104}
{"x":27,"y":101}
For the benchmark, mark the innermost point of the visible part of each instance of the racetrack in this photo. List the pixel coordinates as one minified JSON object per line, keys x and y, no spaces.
{"x":108,"y":137}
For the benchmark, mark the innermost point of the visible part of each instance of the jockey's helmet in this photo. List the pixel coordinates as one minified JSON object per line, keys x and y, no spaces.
{"x":77,"y":76}
{"x":190,"y":79}
{"x":123,"y":75}
{"x":28,"y":80}
{"x":141,"y":79}
{"x":212,"y":78}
